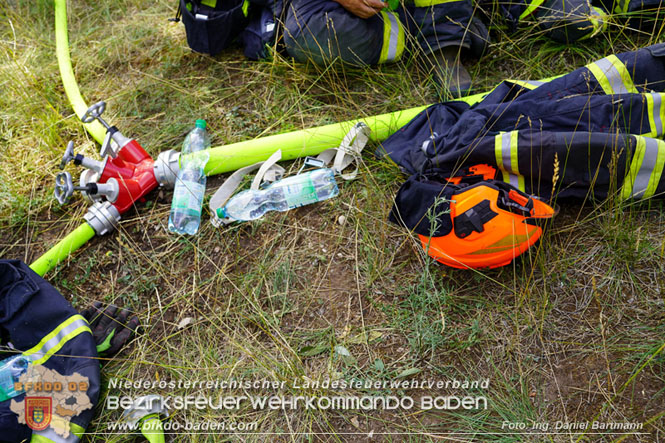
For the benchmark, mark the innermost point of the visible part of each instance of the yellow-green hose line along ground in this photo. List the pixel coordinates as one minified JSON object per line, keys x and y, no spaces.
{"x":77,"y":238}
{"x":95,"y":129}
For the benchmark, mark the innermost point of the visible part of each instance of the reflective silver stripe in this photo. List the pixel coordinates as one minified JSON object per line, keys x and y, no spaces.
{"x":56,"y":438}
{"x":658,"y":122}
{"x":613,"y":76}
{"x":643,"y":177}
{"x":534,"y":83}
{"x":427,"y":142}
{"x":55,"y":341}
{"x":394,"y":37}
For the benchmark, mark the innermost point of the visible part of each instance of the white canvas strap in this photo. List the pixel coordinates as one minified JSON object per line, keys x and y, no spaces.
{"x":268,"y":171}
{"x":348,"y":151}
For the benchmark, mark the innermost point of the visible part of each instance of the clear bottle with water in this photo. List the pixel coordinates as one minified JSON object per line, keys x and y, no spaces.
{"x":190,"y":186}
{"x":282,"y":195}
{"x":11,"y":370}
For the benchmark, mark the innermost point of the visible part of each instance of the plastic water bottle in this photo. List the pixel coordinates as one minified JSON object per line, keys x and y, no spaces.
{"x":190,"y":185}
{"x":292,"y":192}
{"x":11,"y":370}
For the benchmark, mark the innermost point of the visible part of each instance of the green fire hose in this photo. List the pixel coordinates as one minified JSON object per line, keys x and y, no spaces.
{"x":77,"y":238}
{"x":95,"y":129}
{"x":301,"y":143}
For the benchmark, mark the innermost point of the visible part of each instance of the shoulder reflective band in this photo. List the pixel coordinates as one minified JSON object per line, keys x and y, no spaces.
{"x":505,"y":150}
{"x":529,"y":84}
{"x":393,"y":38}
{"x":612,"y":75}
{"x":49,"y":436}
{"x":656,"y":113}
{"x":57,"y":338}
{"x":645,"y":169}
{"x":535,"y":4}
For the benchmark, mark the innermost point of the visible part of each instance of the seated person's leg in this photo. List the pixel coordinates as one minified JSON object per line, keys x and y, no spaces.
{"x":323,"y":31}
{"x":446,"y":23}
{"x":444,"y":28}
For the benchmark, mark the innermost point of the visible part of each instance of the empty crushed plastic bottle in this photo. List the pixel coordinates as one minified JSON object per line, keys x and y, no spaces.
{"x":11,"y":370}
{"x":190,"y":186}
{"x":292,"y":192}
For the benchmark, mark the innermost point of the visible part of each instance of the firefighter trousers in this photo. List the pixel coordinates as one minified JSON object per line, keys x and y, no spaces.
{"x":323,"y":31}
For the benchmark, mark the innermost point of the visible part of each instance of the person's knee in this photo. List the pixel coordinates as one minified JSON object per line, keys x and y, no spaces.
{"x":326,"y":35}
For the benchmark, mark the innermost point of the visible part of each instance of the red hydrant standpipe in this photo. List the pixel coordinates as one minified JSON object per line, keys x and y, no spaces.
{"x":125,"y":175}
{"x":133,"y":168}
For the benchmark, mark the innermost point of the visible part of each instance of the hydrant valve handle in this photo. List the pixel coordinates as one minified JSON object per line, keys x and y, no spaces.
{"x":95,"y":112}
{"x":64,"y":188}
{"x":68,"y":156}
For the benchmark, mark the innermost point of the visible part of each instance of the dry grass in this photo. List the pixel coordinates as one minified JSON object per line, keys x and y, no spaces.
{"x":572,"y":332}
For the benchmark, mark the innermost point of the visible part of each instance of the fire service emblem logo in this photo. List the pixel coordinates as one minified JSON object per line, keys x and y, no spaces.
{"x":38,"y":412}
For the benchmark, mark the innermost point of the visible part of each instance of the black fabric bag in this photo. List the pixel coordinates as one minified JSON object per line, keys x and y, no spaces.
{"x":210,"y":29}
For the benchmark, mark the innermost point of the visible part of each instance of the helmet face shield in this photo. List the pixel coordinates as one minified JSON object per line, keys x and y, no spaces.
{"x":493,"y":223}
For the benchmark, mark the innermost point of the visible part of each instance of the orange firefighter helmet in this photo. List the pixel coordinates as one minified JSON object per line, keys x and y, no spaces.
{"x":493,"y":223}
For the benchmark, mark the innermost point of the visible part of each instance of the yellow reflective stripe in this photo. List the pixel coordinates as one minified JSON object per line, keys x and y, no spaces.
{"x":36,"y":438}
{"x":401,"y":39}
{"x":612,"y":75}
{"x":50,"y":436}
{"x":655,"y":113}
{"x":425,"y":3}
{"x":657,"y":171}
{"x":646,"y":169}
{"x":76,"y":429}
{"x":54,"y":333}
{"x":535,"y":4}
{"x":386,"y":37}
{"x":505,"y":153}
{"x":209,"y":3}
{"x":498,"y":154}
{"x":638,"y":156}
{"x":57,"y":338}
{"x":513,"y":151}
{"x":61,"y":343}
{"x":393,"y":37}
{"x":600,"y":78}
{"x":514,"y":162}
{"x":245,"y":8}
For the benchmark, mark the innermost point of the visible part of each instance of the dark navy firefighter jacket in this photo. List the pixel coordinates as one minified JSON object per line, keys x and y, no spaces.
{"x":38,"y":321}
{"x":602,"y":124}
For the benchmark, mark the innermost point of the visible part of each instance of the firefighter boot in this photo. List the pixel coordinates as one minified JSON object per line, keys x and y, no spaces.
{"x":451,"y":79}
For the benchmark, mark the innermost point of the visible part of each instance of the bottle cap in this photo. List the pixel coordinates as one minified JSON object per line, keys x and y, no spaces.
{"x":201,"y":124}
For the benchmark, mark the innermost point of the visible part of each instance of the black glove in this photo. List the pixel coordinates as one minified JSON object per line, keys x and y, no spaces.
{"x":111,"y":328}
